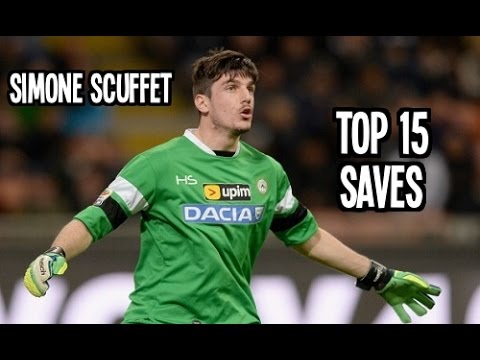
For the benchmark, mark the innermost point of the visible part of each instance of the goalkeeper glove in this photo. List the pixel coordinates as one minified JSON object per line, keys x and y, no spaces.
{"x":398,"y":288}
{"x":51,"y":262}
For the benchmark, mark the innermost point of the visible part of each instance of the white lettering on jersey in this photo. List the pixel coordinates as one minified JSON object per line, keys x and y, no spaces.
{"x":186,"y":180}
{"x":223,"y":214}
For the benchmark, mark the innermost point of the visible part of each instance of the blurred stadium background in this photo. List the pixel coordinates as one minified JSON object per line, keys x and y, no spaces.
{"x":56,"y":160}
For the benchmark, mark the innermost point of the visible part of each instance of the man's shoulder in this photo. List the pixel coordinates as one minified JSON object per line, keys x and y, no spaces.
{"x":259,"y":157}
{"x":254,"y":152}
{"x":158,"y":155}
{"x":172,"y":144}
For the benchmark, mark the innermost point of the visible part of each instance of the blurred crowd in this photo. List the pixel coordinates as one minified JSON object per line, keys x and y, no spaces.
{"x":59,"y":158}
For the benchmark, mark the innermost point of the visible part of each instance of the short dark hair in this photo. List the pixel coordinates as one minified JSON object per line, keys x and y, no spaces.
{"x":208,"y":69}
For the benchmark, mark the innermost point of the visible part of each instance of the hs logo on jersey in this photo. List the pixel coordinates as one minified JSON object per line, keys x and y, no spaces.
{"x":186,"y":180}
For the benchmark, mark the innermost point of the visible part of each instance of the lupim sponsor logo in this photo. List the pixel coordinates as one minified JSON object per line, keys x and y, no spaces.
{"x":227,"y":192}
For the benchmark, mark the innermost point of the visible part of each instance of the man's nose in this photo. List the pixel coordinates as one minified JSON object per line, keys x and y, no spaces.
{"x":247,"y":95}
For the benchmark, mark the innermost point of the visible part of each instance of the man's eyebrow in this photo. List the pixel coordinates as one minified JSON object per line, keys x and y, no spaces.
{"x":235,"y":81}
{"x":230,"y":80}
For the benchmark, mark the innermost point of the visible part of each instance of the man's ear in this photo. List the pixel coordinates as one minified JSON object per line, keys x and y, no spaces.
{"x":202,"y":103}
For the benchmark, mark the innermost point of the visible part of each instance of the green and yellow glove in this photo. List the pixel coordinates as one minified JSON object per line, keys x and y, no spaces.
{"x":51,"y":262}
{"x":399,"y":288}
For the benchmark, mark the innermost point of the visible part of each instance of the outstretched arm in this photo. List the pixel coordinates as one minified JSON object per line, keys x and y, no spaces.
{"x":328,"y":250}
{"x":398,"y":288}
{"x":74,"y":239}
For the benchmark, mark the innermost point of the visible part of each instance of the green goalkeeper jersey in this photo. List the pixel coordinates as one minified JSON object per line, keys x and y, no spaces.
{"x":204,"y":219}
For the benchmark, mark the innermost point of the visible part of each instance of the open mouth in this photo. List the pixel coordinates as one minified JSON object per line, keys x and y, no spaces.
{"x":246,"y":112}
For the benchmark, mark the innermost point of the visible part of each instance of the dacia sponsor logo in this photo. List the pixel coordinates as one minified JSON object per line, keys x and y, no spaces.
{"x":222,"y":214}
{"x":227,"y":191}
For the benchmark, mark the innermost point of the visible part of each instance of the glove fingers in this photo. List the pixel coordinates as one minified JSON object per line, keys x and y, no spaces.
{"x":402,"y":314}
{"x":423,"y":284}
{"x":416,"y":307}
{"x":41,"y":270}
{"x":35,"y":287}
{"x":424,"y":299}
{"x":433,"y":290}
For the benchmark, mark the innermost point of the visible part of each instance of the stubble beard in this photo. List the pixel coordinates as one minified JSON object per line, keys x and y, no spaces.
{"x":235,"y":131}
{"x":243,"y":128}
{"x":238,"y":131}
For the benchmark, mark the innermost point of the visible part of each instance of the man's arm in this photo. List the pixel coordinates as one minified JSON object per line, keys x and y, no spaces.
{"x":328,"y":250}
{"x":74,"y":239}
{"x":398,"y":288}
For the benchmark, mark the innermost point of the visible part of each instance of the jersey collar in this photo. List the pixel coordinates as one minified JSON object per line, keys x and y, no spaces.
{"x":191,"y":136}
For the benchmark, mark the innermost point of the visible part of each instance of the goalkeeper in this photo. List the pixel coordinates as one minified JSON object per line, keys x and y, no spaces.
{"x":207,"y":201}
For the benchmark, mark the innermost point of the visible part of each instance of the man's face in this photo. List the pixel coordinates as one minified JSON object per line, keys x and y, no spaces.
{"x":231,"y":103}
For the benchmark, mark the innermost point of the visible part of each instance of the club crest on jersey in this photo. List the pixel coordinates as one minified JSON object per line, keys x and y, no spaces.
{"x":262,"y":186}
{"x":103,"y":196}
{"x":219,"y":192}
{"x":222,"y":214}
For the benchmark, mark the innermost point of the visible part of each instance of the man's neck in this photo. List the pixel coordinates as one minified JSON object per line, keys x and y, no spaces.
{"x":217,"y":141}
